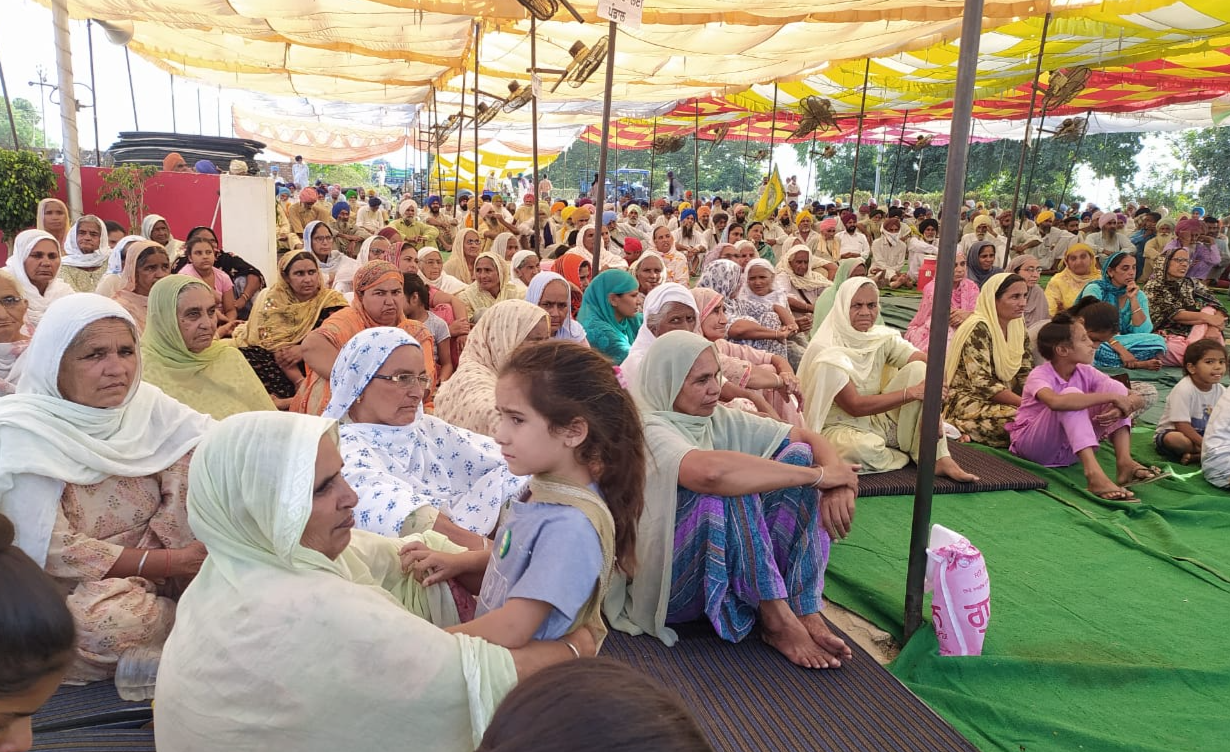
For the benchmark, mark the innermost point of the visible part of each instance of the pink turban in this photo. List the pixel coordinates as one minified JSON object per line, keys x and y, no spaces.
{"x":1106,"y":219}
{"x":828,"y":224}
{"x":309,"y":195}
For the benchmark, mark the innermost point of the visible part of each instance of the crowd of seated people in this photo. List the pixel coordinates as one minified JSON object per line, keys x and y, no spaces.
{"x":439,"y":438}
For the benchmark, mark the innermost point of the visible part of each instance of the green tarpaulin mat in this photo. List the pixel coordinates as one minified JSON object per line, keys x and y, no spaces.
{"x":1108,"y":619}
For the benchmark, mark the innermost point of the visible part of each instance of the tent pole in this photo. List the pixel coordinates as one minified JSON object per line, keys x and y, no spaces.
{"x":537,"y":244}
{"x":200,"y":125}
{"x":747,"y":137}
{"x":653,"y":155}
{"x":600,"y":199}
{"x":132,"y":90}
{"x":1072,"y":163}
{"x":773,"y":128}
{"x":174,"y":124}
{"x":811,"y":164}
{"x":858,"y":145}
{"x":958,"y":146}
{"x":1033,"y":98}
{"x":897,"y":162}
{"x":457,"y":162}
{"x":219,"y":110}
{"x":1033,"y":165}
{"x":89,"y":36}
{"x":68,"y":106}
{"x":696,"y":152}
{"x":477,"y":32}
{"x":8,"y":105}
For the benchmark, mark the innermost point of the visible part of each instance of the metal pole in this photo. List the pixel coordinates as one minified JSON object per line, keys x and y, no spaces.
{"x":653,"y":155}
{"x":68,"y":106}
{"x":811,"y":165}
{"x":8,"y":105}
{"x":958,"y":145}
{"x":606,"y":132}
{"x":132,"y":91}
{"x":477,"y":32}
{"x":174,"y":125}
{"x":1033,"y":98}
{"x":696,"y":151}
{"x":747,"y":136}
{"x":773,"y":128}
{"x":537,"y":245}
{"x":858,"y":145}
{"x":89,"y":35}
{"x":1033,"y":165}
{"x":457,"y":163}
{"x":1072,"y":163}
{"x":918,"y":174}
{"x":218,"y":110}
{"x":200,"y":126}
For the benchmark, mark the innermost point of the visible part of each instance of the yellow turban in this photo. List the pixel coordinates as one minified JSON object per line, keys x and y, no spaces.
{"x":983,"y":221}
{"x":1046,"y":216}
{"x":804,"y":215}
{"x":567,"y":213}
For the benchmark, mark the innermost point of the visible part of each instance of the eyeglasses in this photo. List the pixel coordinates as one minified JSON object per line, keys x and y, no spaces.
{"x":1181,"y":260}
{"x":406,"y":380}
{"x":10,"y":301}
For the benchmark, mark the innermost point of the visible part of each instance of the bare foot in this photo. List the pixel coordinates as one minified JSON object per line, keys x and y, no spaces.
{"x":795,"y":642}
{"x":1104,"y":489}
{"x":820,"y":633}
{"x":948,"y":468}
{"x":1189,"y":458}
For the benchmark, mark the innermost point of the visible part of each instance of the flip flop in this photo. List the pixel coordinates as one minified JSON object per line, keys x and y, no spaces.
{"x":1124,"y":495}
{"x":1155,"y":473}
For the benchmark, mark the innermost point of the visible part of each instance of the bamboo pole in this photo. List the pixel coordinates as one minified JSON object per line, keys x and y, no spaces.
{"x":858,"y":145}
{"x":68,"y":107}
{"x":8,"y":105}
{"x":958,"y":146}
{"x":537,"y":244}
{"x":606,"y":133}
{"x":773,"y":128}
{"x":900,"y":147}
{"x":696,"y":151}
{"x":477,"y":33}
{"x":89,"y":35}
{"x":653,"y":155}
{"x":1072,"y":163}
{"x":1033,"y":98}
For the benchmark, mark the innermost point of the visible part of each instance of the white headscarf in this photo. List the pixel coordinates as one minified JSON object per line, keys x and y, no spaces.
{"x":657,"y":299}
{"x":446,"y":282}
{"x":74,"y":256}
{"x":773,"y":297}
{"x":571,"y":330}
{"x":264,"y":610}
{"x":396,"y":470}
{"x":147,"y":227}
{"x":114,"y":281}
{"x":64,"y":442}
{"x":499,"y":246}
{"x":23,"y":245}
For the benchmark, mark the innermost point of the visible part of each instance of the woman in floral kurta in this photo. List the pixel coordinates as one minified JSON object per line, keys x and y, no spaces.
{"x":94,"y":524}
{"x":989,"y":355}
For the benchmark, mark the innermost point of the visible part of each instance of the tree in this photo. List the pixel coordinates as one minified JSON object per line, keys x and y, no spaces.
{"x":723,"y":168}
{"x":29,"y":125}
{"x":25,"y":179}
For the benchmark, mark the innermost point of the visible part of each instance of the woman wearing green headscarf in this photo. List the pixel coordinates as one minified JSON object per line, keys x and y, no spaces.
{"x":851,"y":267}
{"x":303,"y":633}
{"x":181,"y":357}
{"x":736,"y":528}
{"x":608,"y":313}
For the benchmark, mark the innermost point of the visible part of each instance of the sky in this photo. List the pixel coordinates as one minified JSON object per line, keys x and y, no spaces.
{"x":27,"y":46}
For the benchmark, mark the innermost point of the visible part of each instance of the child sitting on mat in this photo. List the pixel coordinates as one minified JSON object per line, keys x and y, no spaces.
{"x":1180,"y":432}
{"x":1068,"y":407}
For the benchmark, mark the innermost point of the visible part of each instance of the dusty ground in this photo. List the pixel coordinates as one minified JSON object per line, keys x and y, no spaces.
{"x":869,"y":637}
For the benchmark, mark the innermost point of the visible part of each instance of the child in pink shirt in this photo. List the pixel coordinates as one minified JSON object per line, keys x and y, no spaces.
{"x":1068,"y":407}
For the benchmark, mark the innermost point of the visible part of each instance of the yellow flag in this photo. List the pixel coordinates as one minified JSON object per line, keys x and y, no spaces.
{"x":770,"y":197}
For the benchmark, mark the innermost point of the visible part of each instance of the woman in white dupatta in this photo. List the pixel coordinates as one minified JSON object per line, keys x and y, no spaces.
{"x":93,"y":478}
{"x":668,"y":307}
{"x":557,"y":302}
{"x":83,"y":269}
{"x":299,"y":632}
{"x":412,"y":472}
{"x":864,"y":386}
{"x":35,"y":263}
{"x":431,"y":269}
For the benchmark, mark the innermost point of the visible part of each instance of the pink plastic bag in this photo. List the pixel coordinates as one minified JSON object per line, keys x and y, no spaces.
{"x":961,"y":592}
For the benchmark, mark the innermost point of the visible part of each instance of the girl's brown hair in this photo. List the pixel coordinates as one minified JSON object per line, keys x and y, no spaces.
{"x":38,"y":629}
{"x":565,"y":381}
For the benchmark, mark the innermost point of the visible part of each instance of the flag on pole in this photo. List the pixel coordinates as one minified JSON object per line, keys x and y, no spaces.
{"x":770,"y":196}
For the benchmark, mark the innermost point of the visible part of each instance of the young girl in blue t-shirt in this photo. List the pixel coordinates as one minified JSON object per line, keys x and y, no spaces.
{"x":565,"y":421}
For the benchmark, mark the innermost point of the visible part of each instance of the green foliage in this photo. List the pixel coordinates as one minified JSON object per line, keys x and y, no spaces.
{"x":1197,"y":177}
{"x":25,"y":179}
{"x":126,"y":184}
{"x":723,"y":168}
{"x":346,"y":175}
{"x":29,"y":126}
